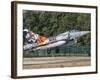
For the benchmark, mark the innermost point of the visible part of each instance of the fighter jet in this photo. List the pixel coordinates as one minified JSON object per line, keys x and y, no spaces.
{"x":67,"y":38}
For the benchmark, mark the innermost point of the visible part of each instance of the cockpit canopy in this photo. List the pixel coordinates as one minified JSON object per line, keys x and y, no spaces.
{"x":74,"y":30}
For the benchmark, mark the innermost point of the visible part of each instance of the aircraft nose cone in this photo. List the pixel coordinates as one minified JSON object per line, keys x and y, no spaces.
{"x":84,"y":32}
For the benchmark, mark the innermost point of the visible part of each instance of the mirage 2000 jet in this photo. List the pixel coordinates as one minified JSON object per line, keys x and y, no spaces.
{"x":37,"y":42}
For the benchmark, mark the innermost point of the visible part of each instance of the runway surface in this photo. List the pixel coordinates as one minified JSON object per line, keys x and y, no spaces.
{"x":51,"y":62}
